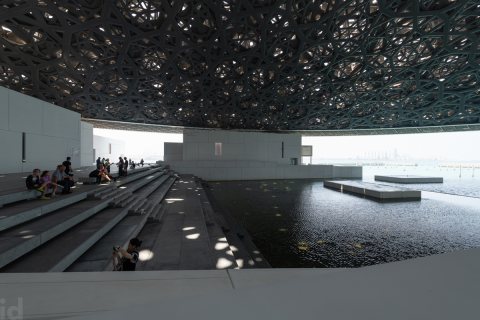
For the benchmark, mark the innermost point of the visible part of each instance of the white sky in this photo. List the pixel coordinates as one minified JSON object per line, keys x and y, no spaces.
{"x":146,"y":145}
{"x":462,"y":146}
{"x":457,"y":146}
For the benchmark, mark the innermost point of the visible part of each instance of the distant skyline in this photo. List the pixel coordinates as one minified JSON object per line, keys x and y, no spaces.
{"x":445,"y":146}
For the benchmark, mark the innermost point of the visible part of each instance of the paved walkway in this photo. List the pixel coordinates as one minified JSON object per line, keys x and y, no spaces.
{"x":180,"y":241}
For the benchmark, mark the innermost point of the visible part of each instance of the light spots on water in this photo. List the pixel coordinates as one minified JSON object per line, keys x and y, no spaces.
{"x":303,"y":246}
{"x":358,"y":246}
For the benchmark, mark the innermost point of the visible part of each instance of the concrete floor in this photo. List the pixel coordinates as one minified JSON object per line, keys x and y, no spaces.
{"x":437,"y":287}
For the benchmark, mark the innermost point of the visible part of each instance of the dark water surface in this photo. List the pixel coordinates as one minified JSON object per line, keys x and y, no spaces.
{"x":299,"y":223}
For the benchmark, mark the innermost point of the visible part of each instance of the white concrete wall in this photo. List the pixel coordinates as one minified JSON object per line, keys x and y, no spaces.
{"x":248,"y":156}
{"x":86,"y":144}
{"x":102,"y":149}
{"x":258,"y":170}
{"x":237,"y":145}
{"x":52,"y":133}
{"x":172,"y":151}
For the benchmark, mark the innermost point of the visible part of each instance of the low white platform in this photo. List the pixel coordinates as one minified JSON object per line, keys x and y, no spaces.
{"x":377,"y":191}
{"x":259,"y":170}
{"x":441,"y":287}
{"x":409,"y":179}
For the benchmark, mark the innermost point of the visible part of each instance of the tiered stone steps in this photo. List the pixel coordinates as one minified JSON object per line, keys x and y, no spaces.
{"x":12,"y":187}
{"x":141,"y":205}
{"x":76,"y":233}
{"x":55,"y":240}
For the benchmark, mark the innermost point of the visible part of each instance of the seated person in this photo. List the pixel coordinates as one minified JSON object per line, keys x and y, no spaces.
{"x":34,"y":182}
{"x":47,"y":183}
{"x":68,"y":167}
{"x":101,"y":174}
{"x":126,"y":260}
{"x":61,"y":178}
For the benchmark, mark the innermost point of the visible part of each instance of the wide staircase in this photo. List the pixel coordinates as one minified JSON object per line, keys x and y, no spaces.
{"x":76,"y":232}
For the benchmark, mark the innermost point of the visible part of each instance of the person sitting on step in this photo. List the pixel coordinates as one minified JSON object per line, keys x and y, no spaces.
{"x":61,"y":178}
{"x":34,"y":182}
{"x":48,"y":184}
{"x":101,"y":174}
{"x":68,"y":167}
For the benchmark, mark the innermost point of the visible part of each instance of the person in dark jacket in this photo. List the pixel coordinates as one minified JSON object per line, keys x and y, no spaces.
{"x":34,"y":182}
{"x":120,"y":166}
{"x":125,"y":166}
{"x":126,"y":260}
{"x":68,"y":167}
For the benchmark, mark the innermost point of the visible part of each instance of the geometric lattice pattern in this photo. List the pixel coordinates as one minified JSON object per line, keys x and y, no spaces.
{"x":249,"y":64}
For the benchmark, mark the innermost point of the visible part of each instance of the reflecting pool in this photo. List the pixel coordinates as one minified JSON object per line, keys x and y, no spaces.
{"x":299,"y":223}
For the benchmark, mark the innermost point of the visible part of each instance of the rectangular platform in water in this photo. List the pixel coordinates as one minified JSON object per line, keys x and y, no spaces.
{"x":373,"y":190}
{"x":409,"y":179}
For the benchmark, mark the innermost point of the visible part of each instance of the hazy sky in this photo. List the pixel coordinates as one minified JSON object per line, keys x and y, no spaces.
{"x":457,"y":146}
{"x":461,"y":146}
{"x":146,"y":145}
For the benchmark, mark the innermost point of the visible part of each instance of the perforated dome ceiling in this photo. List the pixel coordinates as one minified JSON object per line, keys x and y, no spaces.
{"x":258,"y":64}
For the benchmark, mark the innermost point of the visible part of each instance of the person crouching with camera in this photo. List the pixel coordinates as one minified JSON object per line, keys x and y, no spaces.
{"x":126,"y":260}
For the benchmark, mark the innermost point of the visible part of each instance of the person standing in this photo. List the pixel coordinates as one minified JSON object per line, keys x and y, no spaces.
{"x":125,"y":166}
{"x":120,"y":166}
{"x":141,"y":162}
{"x":107,"y":165}
{"x":99,"y":161}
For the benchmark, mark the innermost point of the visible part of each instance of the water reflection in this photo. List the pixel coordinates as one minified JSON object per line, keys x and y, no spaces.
{"x":307,"y":225}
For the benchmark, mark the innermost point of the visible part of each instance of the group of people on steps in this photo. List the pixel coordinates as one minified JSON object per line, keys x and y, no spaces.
{"x":62,"y":178}
{"x":49,"y":183}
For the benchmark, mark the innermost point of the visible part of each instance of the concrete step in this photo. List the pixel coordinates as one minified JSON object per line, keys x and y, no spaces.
{"x":158,"y":212}
{"x":120,"y":197}
{"x":95,"y":227}
{"x":148,"y":208}
{"x":19,"y":240}
{"x":22,"y":211}
{"x":158,"y":197}
{"x":122,"y":201}
{"x":180,"y":241}
{"x":145,"y":192}
{"x":59,"y":253}
{"x":95,"y":259}
{"x":244,"y":250}
{"x":137,"y":205}
{"x":26,"y":211}
{"x":18,"y":196}
{"x":22,"y":239}
{"x":125,"y":180}
{"x":132,"y":177}
{"x":162,"y":191}
{"x":224,"y":252}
